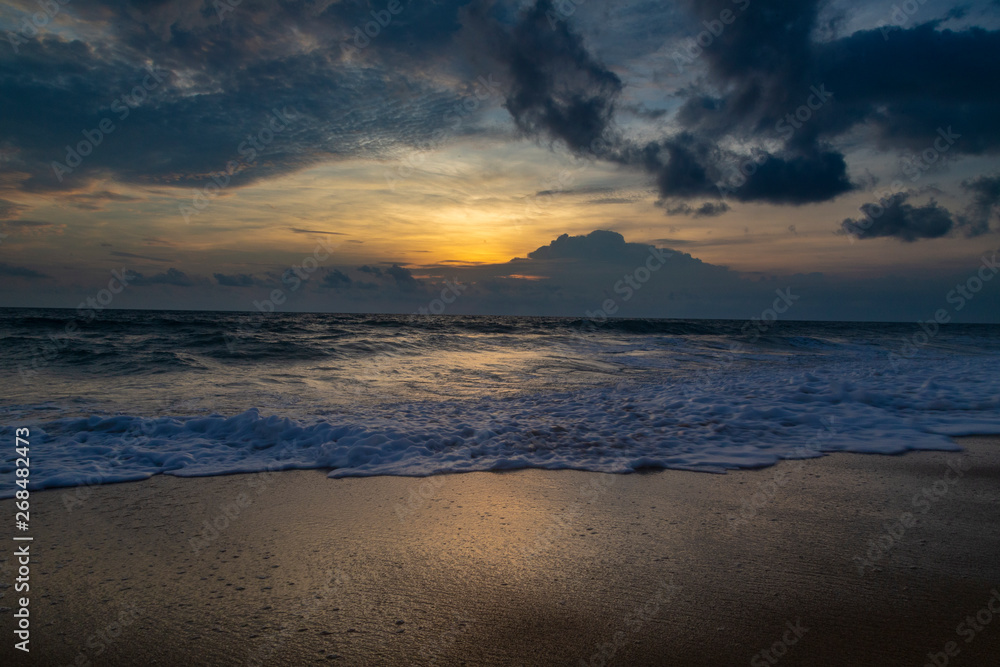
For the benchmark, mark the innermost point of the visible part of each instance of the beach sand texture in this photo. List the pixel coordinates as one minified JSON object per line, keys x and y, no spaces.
{"x":812,"y":561}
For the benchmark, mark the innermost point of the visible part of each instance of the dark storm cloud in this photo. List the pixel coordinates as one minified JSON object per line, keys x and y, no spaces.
{"x":561,"y":92}
{"x":249,"y":131}
{"x":813,"y":176}
{"x":751,"y":127}
{"x":684,"y":166}
{"x":761,"y":59}
{"x":985,"y":203}
{"x":415,"y":29}
{"x":373,"y":270}
{"x":914,"y":84}
{"x":207,"y":103}
{"x":336,"y":279}
{"x":894,"y":218}
{"x":557,"y":89}
{"x":768,"y":82}
{"x":172,"y":276}
{"x":573,"y":275}
{"x":403,"y":277}
{"x":234,"y":34}
{"x":707,"y":210}
{"x":598,"y":246}
{"x":761,"y":62}
{"x":906,"y":84}
{"x":688,"y":166}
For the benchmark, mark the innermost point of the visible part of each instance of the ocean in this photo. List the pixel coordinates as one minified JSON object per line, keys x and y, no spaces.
{"x":125,"y":395}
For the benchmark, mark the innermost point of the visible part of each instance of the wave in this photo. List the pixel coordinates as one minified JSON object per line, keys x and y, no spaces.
{"x":711,"y":422}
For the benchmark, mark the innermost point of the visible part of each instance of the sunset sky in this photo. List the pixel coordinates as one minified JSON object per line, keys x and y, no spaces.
{"x":207,"y":148}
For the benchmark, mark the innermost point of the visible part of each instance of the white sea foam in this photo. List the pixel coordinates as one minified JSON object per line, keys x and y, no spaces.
{"x":711,"y":421}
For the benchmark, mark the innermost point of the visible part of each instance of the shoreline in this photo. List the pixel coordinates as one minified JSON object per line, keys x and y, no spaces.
{"x":814,"y":559}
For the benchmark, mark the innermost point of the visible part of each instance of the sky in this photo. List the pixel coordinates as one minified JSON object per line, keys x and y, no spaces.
{"x":626,"y":158}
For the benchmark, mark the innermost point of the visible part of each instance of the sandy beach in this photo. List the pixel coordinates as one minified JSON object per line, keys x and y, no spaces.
{"x":844,"y":560}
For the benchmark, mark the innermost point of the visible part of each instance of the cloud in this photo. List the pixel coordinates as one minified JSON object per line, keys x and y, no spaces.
{"x":894,"y":218}
{"x":557,"y":88}
{"x":687,"y":165}
{"x":237,"y":280}
{"x":315,"y":231}
{"x":119,"y":253}
{"x":32,"y":227}
{"x":707,"y":210}
{"x":904,"y":84}
{"x":19,"y":271}
{"x":912,"y":84}
{"x":373,"y":270}
{"x":985,"y":203}
{"x":9,"y":209}
{"x":580,"y":279}
{"x":582,"y":275}
{"x":336,"y":279}
{"x":612,"y":200}
{"x":213,"y":86}
{"x":403,"y":277}
{"x":560,"y":91}
{"x":575,"y":274}
{"x":95,"y":201}
{"x":771,"y":103}
{"x":155,"y":240}
{"x":216,"y":83}
{"x":815,"y":176}
{"x":172,"y":276}
{"x":599,"y":245}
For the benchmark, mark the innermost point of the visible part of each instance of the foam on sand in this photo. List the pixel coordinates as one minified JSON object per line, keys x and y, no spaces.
{"x":714,"y":422}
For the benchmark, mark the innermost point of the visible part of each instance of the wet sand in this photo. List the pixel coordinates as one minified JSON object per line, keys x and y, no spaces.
{"x":816,"y":562}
